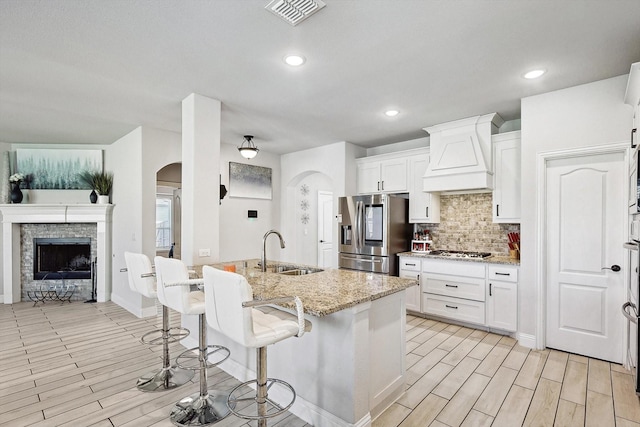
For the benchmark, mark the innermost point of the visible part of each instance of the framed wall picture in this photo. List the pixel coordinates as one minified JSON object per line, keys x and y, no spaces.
{"x":57,"y":169}
{"x":248,"y":181}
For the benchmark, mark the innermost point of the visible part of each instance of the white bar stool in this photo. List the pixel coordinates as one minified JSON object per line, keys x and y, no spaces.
{"x":174,"y":289}
{"x":142,"y":280}
{"x":232,"y":311}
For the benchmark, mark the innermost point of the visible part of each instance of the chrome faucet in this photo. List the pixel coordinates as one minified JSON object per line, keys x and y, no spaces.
{"x":263,"y":257}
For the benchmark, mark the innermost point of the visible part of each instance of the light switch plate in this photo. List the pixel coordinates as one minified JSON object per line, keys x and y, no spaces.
{"x":204,"y":252}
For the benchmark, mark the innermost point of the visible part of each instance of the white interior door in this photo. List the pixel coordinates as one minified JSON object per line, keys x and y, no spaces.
{"x":584,"y":220}
{"x":325,"y":229}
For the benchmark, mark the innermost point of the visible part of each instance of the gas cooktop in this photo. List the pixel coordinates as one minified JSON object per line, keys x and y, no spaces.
{"x":460,"y":254}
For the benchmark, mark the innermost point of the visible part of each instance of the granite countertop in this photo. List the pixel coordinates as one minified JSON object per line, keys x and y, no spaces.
{"x":494,"y":259}
{"x":322,"y":293}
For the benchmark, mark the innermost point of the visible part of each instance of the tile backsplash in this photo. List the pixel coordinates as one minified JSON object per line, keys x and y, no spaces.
{"x":466,"y":224}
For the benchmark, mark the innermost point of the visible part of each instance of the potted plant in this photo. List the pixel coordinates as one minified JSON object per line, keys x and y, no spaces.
{"x":101,"y":182}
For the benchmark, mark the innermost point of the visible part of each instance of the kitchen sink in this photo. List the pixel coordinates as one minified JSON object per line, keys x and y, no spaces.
{"x":301,"y":271}
{"x":293,"y":270}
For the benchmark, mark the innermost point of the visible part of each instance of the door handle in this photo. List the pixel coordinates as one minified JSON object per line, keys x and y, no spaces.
{"x":614,"y":267}
{"x":633,"y":318}
{"x":321,"y":241}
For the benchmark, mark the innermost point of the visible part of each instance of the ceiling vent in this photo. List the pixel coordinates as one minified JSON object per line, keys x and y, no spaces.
{"x":294,"y":11}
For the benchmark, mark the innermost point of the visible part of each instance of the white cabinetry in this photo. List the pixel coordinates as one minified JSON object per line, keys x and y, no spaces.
{"x":382,"y":174}
{"x":423,"y":207}
{"x":454,"y":289}
{"x":410,"y":269}
{"x":502,"y":297}
{"x":506,"y":186}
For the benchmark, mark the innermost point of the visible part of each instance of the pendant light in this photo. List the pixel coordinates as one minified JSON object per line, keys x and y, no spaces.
{"x":248,"y":149}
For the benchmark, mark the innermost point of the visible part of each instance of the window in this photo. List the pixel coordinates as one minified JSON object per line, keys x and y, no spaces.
{"x":164,"y":233}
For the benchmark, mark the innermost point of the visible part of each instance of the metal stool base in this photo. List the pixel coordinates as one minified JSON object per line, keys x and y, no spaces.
{"x":277,"y":409}
{"x":197,"y":410}
{"x":164,"y":379}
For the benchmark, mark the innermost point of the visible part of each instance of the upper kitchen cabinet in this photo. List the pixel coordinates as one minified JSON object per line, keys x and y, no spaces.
{"x":506,"y":185}
{"x":385,"y":173}
{"x":423,"y":207}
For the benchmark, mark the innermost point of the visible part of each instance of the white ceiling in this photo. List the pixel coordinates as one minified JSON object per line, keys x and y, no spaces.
{"x":91,"y":71}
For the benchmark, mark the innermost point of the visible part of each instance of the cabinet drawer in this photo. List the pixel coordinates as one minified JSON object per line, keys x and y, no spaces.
{"x":457,"y":268}
{"x":454,"y":308}
{"x":409,"y":264}
{"x":468,"y":289}
{"x":408,"y":274}
{"x":504,"y":274}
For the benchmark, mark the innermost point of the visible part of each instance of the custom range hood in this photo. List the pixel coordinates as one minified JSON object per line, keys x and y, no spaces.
{"x":461,"y":155}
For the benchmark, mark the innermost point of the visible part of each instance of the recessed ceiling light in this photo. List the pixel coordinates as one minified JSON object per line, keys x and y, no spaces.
{"x":391,"y":113}
{"x":294,"y":60}
{"x":534,"y":74}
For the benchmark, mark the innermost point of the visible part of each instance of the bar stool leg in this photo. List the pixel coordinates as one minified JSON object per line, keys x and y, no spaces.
{"x":208,"y":406}
{"x":261,"y":392}
{"x":168,"y":377}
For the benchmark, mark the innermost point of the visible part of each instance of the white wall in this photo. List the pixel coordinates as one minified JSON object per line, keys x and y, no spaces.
{"x":587,"y":115}
{"x":134,"y":160}
{"x":336,"y":161}
{"x":241,"y":237}
{"x":4,"y":147}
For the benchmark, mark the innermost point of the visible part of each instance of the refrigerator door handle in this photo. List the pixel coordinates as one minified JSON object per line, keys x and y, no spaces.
{"x":359,"y":234}
{"x":371,"y":261}
{"x":632,"y":317}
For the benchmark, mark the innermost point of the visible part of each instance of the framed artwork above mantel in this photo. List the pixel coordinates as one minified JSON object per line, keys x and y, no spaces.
{"x":57,"y":169}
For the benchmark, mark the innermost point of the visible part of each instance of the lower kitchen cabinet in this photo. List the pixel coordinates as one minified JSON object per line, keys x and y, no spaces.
{"x":472,"y":292}
{"x":454,"y":289}
{"x":502,"y":298}
{"x":410,"y":269}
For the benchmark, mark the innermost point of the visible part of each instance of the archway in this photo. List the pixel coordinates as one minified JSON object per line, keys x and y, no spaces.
{"x":168,"y":210}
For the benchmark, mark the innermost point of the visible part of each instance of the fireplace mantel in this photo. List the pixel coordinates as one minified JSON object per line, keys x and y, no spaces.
{"x":15,"y":214}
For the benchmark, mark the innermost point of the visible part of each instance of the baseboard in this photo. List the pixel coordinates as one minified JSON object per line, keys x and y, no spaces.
{"x":136,"y":311}
{"x":526,"y":340}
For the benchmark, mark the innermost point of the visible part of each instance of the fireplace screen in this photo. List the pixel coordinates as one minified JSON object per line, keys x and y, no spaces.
{"x":66,"y":257}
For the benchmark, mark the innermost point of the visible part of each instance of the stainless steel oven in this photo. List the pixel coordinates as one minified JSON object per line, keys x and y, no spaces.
{"x":630,"y":309}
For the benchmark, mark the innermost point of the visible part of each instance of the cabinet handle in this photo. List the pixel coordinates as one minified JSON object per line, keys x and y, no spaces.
{"x":378,"y":185}
{"x":450,"y":286}
{"x":451,"y":306}
{"x":503,"y":274}
{"x":632,"y":132}
{"x":490,"y":290}
{"x":382,"y":185}
{"x":427,"y":210}
{"x":411,"y":264}
{"x":418,"y":279}
{"x":497,"y":210}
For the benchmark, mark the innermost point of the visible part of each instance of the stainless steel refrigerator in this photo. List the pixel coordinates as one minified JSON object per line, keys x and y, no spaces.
{"x":373,"y":229}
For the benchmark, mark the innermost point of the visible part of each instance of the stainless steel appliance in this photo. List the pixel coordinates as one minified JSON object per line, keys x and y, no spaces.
{"x":630,"y":308}
{"x":373,"y":229}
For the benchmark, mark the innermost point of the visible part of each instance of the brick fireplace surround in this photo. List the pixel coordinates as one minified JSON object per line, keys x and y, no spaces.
{"x":13,"y":215}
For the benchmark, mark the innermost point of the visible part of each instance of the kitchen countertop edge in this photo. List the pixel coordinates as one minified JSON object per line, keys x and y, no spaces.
{"x":494,"y":259}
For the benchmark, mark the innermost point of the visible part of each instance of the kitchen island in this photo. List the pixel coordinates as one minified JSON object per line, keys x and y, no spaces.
{"x":351,"y":366}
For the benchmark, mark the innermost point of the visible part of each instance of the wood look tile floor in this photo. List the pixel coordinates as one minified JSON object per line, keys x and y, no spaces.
{"x":458,"y":376}
{"x":76,"y":365}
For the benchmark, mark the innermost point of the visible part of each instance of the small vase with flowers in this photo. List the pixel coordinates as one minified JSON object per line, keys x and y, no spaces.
{"x":16,"y":193}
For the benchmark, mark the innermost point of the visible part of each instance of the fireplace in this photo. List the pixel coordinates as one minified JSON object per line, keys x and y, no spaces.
{"x":67,"y":257}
